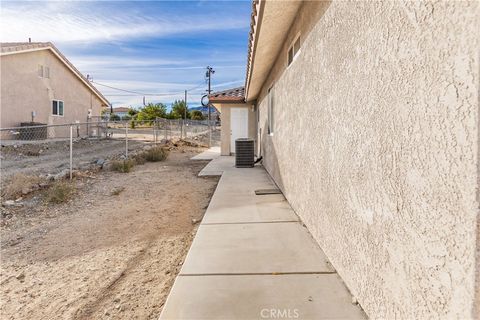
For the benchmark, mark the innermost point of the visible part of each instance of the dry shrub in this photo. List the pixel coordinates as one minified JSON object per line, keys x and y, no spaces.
{"x":156,"y":154}
{"x":140,"y":158}
{"x":20,"y":184}
{"x":123,"y":166}
{"x":60,"y":192}
{"x":117,"y":191}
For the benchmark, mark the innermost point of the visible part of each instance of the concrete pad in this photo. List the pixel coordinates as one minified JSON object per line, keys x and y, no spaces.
{"x":217,"y":166}
{"x":209,"y":154}
{"x":244,"y":209}
{"x":303,"y":296}
{"x":283,"y":247}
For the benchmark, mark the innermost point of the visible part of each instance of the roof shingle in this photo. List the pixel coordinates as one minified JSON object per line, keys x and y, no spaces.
{"x":235,"y":95}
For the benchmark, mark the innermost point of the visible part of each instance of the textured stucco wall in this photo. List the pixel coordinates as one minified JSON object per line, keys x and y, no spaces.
{"x":376,"y":148}
{"x":23,"y":91}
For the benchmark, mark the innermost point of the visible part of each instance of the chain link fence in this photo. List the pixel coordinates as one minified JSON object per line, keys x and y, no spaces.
{"x":42,"y":147}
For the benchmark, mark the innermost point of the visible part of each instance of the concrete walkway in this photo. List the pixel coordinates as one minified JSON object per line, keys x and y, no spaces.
{"x":253,"y":259}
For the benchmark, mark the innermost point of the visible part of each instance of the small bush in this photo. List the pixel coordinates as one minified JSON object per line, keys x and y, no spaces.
{"x":156,"y":154}
{"x":117,"y":191}
{"x":20,"y":184}
{"x":140,"y":158}
{"x":60,"y":192}
{"x":123,"y":166}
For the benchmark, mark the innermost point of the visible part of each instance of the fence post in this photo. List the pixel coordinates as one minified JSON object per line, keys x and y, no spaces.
{"x":154,"y":131}
{"x":71,"y":152}
{"x":126,"y":140}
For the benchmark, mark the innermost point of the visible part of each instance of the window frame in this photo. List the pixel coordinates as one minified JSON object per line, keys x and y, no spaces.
{"x":270,"y":106}
{"x":40,"y":71}
{"x":46,"y":72}
{"x":291,"y":50}
{"x":58,"y":108}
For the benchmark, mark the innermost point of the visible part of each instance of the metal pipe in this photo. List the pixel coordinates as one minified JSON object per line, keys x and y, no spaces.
{"x":71,"y":152}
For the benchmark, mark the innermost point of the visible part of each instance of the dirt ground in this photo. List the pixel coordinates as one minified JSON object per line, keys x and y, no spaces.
{"x":104,"y":254}
{"x":51,"y":157}
{"x":54,"y":156}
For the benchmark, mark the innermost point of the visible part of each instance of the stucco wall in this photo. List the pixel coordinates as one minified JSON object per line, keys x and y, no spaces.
{"x":23,"y":91}
{"x":376,"y":147}
{"x":225,"y":134}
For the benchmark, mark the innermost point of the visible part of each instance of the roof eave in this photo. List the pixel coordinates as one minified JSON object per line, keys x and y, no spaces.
{"x":271,"y":26}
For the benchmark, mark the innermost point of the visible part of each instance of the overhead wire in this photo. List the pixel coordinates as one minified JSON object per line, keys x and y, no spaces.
{"x":136,"y":93}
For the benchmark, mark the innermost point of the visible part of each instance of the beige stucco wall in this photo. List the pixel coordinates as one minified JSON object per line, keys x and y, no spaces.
{"x":23,"y":91}
{"x":225,"y":134}
{"x":376,"y":147}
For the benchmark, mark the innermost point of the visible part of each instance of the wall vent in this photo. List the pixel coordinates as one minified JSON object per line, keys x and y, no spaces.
{"x":244,"y":153}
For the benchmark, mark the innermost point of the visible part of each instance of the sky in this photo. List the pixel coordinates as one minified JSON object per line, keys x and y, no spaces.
{"x":149,"y":47}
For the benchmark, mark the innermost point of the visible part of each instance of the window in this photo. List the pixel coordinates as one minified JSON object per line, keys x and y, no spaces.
{"x":57,"y":108}
{"x":43,"y":71}
{"x":270,"y":111}
{"x":293,"y":50}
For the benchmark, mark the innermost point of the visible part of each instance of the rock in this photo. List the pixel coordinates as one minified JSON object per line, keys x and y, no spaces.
{"x":354,"y":300}
{"x":19,"y":199}
{"x":8,"y":203}
{"x":20,"y":276}
{"x":195,"y":221}
{"x":26,"y":190}
{"x":62,"y":174}
{"x":310,"y":298}
{"x":100,"y":162}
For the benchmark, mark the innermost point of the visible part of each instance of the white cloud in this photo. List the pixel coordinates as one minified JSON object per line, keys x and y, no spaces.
{"x":75,"y":22}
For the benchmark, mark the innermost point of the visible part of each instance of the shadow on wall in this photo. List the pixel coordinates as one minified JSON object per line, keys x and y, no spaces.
{"x":270,"y":158}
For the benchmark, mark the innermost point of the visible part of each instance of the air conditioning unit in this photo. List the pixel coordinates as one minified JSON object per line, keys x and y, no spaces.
{"x":244,"y":153}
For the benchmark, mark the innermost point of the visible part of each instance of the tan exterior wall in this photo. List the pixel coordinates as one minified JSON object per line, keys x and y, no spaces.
{"x":225,"y":134}
{"x":376,"y":147}
{"x":23,"y":91}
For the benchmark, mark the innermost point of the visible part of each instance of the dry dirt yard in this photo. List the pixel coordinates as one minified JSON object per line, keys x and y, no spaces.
{"x":112,"y":252}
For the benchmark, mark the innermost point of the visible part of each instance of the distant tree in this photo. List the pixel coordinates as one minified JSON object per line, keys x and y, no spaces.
{"x":152,"y":111}
{"x":114,"y":117}
{"x":197,"y":115}
{"x":179,"y":109}
{"x":132,"y":112}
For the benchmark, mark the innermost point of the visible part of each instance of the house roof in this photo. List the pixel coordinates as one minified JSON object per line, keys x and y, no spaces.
{"x":121,"y":109}
{"x":8,"y":48}
{"x":235,"y":95}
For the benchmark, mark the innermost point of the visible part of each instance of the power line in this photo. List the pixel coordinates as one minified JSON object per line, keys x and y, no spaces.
{"x":136,"y":93}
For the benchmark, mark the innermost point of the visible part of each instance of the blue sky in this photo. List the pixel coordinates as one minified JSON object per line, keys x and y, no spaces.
{"x":159,"y":47}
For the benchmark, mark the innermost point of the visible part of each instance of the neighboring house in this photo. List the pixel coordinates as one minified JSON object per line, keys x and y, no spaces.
{"x":368,"y":121}
{"x":122,"y":112}
{"x":36,"y":78}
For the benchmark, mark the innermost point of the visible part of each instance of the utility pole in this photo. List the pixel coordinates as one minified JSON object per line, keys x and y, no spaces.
{"x":185,"y":115}
{"x":208,"y":75}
